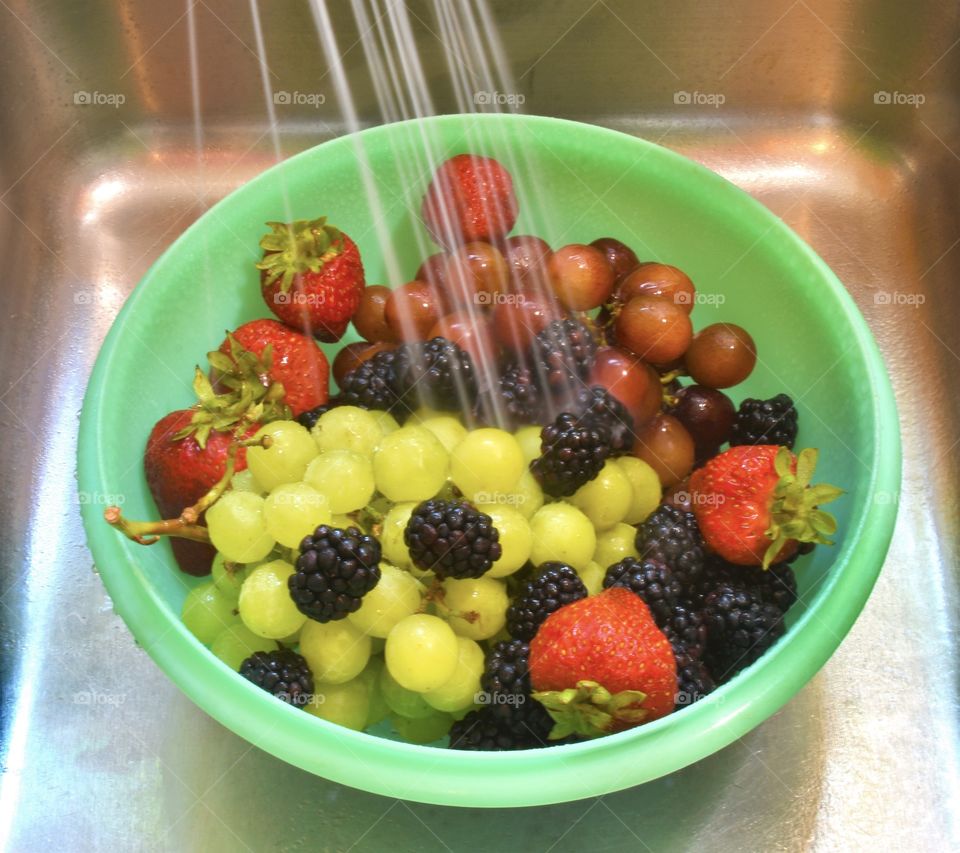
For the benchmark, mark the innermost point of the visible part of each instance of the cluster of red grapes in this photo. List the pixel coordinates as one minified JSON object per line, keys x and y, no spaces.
{"x":492,"y":300}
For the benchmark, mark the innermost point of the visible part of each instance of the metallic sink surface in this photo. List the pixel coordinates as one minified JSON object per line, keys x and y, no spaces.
{"x":840,"y":117}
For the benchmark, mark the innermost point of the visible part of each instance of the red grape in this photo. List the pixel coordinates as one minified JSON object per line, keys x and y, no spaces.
{"x":632,"y":382}
{"x":657,"y":330}
{"x":527,"y":257}
{"x":707,"y":414}
{"x":369,"y":318}
{"x":659,"y":280}
{"x":516,"y":323}
{"x":580,"y":275}
{"x":412,"y":309}
{"x":666,"y":446}
{"x":721,"y":355}
{"x":620,"y":256}
{"x":475,"y":269}
{"x":434,"y":270}
{"x":470,"y":330}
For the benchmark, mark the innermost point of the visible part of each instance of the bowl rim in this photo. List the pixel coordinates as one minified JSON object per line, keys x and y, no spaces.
{"x":534,"y":777}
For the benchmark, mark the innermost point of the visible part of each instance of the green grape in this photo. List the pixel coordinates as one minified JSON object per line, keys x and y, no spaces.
{"x":336,"y":651}
{"x":592,"y":576}
{"x":386,"y":421}
{"x":345,"y":478}
{"x":346,"y":704}
{"x":446,"y":428}
{"x":207,"y":611}
{"x":410,"y":464}
{"x":401,"y":701}
{"x":379,"y":709}
{"x":421,"y":652}
{"x":238,"y":529}
{"x":486,"y":464}
{"x":515,"y":538}
{"x":462,"y":688}
{"x":561,"y":532}
{"x":606,"y":499}
{"x":235,"y":644}
{"x":423,"y":730}
{"x":348,"y":428}
{"x":528,"y":438}
{"x":295,"y":510}
{"x":615,"y":544}
{"x":377,"y":645}
{"x":286,"y":459}
{"x":645,"y":488}
{"x":475,"y":607}
{"x":265,"y":603}
{"x":291,"y":639}
{"x":228,"y":577}
{"x":391,"y":535}
{"x":459,"y":715}
{"x":345,"y":521}
{"x":396,"y":595}
{"x":526,"y":495}
{"x":244,"y":481}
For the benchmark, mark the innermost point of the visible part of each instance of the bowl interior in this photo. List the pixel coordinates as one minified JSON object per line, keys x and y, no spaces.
{"x":575,"y":183}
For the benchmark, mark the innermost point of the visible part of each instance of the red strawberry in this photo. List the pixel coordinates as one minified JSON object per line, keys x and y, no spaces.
{"x":296,"y":362}
{"x":311,"y":276}
{"x":754,"y":503}
{"x":601,"y":665}
{"x":180,"y":471}
{"x":470,"y":198}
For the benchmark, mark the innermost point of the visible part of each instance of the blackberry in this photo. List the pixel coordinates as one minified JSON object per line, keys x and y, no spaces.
{"x":693,"y":682}
{"x":672,"y":537}
{"x":776,"y":585}
{"x":335,"y":569}
{"x":525,"y":725}
{"x":570,"y":455}
{"x":565,"y":351}
{"x":596,"y":405}
{"x":506,"y":670}
{"x":283,"y":673}
{"x":651,"y":580}
{"x":687,"y":626}
{"x":772,"y":421}
{"x":309,"y":418}
{"x":375,"y":384}
{"x":436,"y":373}
{"x":556,"y":585}
{"x":741,"y":626}
{"x":452,"y":539}
{"x":520,"y":395}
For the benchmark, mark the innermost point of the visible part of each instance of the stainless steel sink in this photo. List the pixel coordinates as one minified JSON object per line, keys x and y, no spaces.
{"x":842,"y":118}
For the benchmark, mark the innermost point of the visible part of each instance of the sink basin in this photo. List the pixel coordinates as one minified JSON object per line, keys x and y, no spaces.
{"x":100,"y":748}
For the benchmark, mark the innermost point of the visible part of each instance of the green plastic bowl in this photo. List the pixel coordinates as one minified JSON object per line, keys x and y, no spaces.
{"x":576,"y":183}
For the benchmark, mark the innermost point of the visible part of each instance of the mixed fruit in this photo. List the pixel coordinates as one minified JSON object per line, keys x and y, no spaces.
{"x":515,"y":523}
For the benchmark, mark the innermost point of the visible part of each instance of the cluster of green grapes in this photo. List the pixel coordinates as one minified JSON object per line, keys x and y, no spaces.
{"x":413,"y":650}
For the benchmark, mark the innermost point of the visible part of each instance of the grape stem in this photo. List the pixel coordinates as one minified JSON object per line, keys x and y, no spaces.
{"x":185,"y":526}
{"x":436,"y":593}
{"x":669,"y":399}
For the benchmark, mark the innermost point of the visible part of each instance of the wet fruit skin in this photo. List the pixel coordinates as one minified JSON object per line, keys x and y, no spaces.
{"x":434,"y":270}
{"x":721,"y":355}
{"x":620,"y":256}
{"x":526,"y":258}
{"x":353,"y":355}
{"x":666,"y":446}
{"x":631,"y":381}
{"x":656,"y":330}
{"x":475,"y":269}
{"x":516,"y":324}
{"x":580,"y":276}
{"x":661,"y":281}
{"x":708,"y":415}
{"x":470,"y":330}
{"x":412,"y":309}
{"x":369,"y":320}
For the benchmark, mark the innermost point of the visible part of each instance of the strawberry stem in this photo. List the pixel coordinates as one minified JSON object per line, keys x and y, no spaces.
{"x":795,"y":514}
{"x":295,"y":248}
{"x":590,"y":710}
